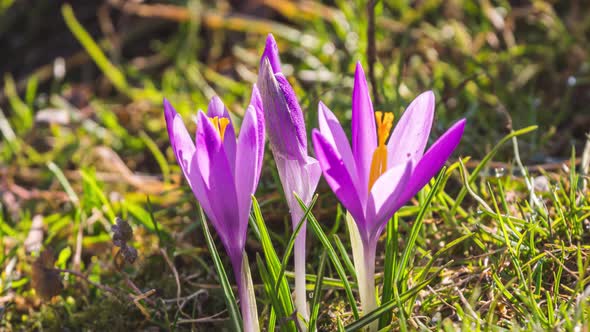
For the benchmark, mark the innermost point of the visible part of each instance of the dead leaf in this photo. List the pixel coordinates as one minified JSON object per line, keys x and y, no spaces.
{"x":45,"y":279}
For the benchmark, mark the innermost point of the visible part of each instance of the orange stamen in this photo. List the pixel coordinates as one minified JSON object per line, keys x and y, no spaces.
{"x":220,"y":124}
{"x":379,"y":161}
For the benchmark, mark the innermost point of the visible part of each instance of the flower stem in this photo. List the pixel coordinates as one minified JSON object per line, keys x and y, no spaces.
{"x":246,"y":294}
{"x":367,"y":289}
{"x":300,"y":292}
{"x":363,"y":253}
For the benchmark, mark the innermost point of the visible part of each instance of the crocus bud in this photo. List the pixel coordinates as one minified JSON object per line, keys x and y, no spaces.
{"x":283,"y":117}
{"x":298,"y":172}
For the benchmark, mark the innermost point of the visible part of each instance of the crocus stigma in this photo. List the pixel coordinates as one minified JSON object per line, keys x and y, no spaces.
{"x":298,"y":172}
{"x":223,"y":173}
{"x":376,"y":176}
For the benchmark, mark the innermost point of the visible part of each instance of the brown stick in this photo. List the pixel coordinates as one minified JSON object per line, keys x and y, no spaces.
{"x":85,"y":278}
{"x":371,"y":49}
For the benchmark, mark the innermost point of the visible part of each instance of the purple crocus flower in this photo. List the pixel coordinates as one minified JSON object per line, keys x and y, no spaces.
{"x":373,"y":179}
{"x":299,"y":173}
{"x":223,"y":174}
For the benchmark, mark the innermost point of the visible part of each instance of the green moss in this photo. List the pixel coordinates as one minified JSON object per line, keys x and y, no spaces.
{"x":104,"y":314}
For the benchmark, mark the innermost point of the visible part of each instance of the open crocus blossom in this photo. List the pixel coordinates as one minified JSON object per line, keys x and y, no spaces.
{"x":375,"y":177}
{"x":298,"y":172}
{"x":223,"y":174}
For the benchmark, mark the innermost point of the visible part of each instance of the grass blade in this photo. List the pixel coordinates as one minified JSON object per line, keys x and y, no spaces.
{"x":317,"y":229}
{"x":291,"y":242}
{"x":89,"y":179}
{"x":158,"y":155}
{"x":317,"y":290}
{"x":268,"y":282}
{"x":64,"y":182}
{"x":390,"y":262}
{"x":347,"y":262}
{"x":272,"y":320}
{"x":110,"y":71}
{"x":416,"y":229}
{"x":485,"y":160}
{"x":273,"y":266}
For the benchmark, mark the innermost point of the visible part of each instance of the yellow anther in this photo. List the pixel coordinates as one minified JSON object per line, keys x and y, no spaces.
{"x":223,"y":122}
{"x":215,"y":122}
{"x":384,"y":124}
{"x":220,"y":125}
{"x":379,"y":161}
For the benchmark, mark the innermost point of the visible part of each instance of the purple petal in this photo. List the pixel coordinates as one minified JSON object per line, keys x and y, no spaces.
{"x":338,"y":178}
{"x":218,"y":183}
{"x":314,"y":173}
{"x":247,"y":159}
{"x":385,"y":194}
{"x":184,"y":150}
{"x":271,"y":52}
{"x":364,"y":136}
{"x":433,"y":160}
{"x":180,"y":140}
{"x":284,"y":124}
{"x":296,"y":114}
{"x":332,"y":131}
{"x":217,"y":109}
{"x":299,"y":178}
{"x":256,"y":99}
{"x":292,"y":174}
{"x":256,"y":102}
{"x":409,"y":138}
{"x":198,"y":187}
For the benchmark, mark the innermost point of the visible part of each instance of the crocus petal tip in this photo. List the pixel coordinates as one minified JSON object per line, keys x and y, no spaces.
{"x":459,"y":126}
{"x":270,"y":40}
{"x":359,"y":69}
{"x":321,"y":105}
{"x":430,"y":98}
{"x":321,"y":110}
{"x":216,"y":107}
{"x":169,"y":112}
{"x":167,"y":106}
{"x":271,"y":52}
{"x":255,"y":97}
{"x":215,"y":100}
{"x":201,"y":117}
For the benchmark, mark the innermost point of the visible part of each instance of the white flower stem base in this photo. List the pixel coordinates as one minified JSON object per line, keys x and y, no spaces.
{"x":367,"y":287}
{"x":300,"y":291}
{"x":247,"y":298}
{"x":299,"y":257}
{"x":364,"y":264}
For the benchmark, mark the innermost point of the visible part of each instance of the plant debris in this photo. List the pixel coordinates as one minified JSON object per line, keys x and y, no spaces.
{"x":45,"y":279}
{"x":123,"y":233}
